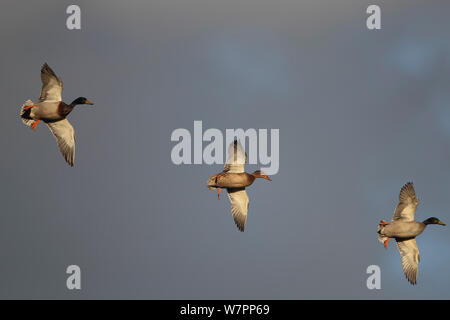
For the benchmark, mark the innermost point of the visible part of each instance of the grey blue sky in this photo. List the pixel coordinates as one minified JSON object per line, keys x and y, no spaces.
{"x":360,"y":113}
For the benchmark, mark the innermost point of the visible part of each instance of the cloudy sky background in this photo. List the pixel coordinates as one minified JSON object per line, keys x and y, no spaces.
{"x":360,"y":113}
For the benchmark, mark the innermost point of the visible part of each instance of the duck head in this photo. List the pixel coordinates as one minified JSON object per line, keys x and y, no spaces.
{"x":433,"y":220}
{"x":81,"y":100}
{"x":259,"y":174}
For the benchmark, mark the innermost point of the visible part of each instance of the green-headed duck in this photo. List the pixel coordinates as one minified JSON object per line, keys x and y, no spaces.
{"x":405,"y":229}
{"x":53,"y":111}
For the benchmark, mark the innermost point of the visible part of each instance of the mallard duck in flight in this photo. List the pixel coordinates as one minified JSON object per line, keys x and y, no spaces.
{"x":53,"y":111}
{"x":405,"y":230}
{"x":235,"y":179}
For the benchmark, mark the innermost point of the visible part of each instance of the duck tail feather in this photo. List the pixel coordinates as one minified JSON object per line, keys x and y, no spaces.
{"x":25,"y":114}
{"x":211,"y":184}
{"x":382,"y":238}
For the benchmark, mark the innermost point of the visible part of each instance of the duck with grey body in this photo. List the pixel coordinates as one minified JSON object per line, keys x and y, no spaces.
{"x":404,"y":229}
{"x":53,"y":111}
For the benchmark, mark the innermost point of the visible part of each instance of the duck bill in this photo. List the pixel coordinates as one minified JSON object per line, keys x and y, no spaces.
{"x":441,"y":223}
{"x":88,"y":102}
{"x":267,"y":178}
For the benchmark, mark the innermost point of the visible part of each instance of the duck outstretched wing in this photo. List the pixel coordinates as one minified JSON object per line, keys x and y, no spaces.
{"x":410,"y":258}
{"x":236,"y":158}
{"x":407,"y":203}
{"x":52,"y":86}
{"x":65,"y":137}
{"x":239,"y":206}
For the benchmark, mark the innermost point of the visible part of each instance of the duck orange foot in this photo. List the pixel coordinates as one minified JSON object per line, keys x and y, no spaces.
{"x":386,"y":242}
{"x":29,"y":107}
{"x":384,"y":223}
{"x":218,"y":193}
{"x":34,"y":124}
